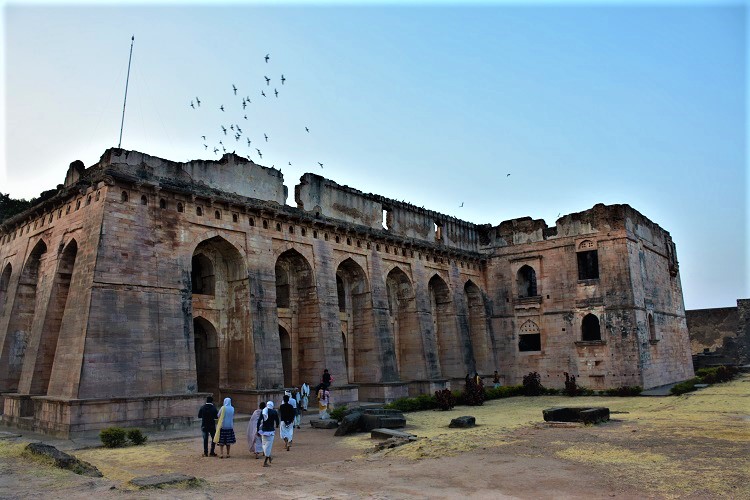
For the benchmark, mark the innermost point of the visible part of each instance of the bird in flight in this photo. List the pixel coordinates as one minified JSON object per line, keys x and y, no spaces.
{"x":231,"y":127}
{"x":268,"y":56}
{"x":282,"y":79}
{"x":268,"y":80}
{"x":235,"y":89}
{"x":321,"y":165}
{"x":462,"y":204}
{"x":307,"y":130}
{"x":221,"y":107}
{"x":264,"y":135}
{"x":239,"y":129}
{"x":507,"y":175}
{"x":290,"y":163}
{"x":245,"y":117}
{"x":216,"y":150}
{"x":244,"y":104}
{"x":192,"y":105}
{"x":198,"y":101}
{"x":259,"y":153}
{"x":224,"y":149}
{"x":205,"y":146}
{"x":262,"y":93}
{"x":203,"y":137}
{"x":558,"y":214}
{"x":248,"y":141}
{"x":237,"y":137}
{"x":223,"y":129}
{"x":276,"y":92}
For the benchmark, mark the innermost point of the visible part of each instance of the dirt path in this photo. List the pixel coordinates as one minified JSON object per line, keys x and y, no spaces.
{"x":692,"y":446}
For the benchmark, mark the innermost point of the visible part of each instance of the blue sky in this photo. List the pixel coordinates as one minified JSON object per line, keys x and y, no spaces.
{"x":430,"y":103}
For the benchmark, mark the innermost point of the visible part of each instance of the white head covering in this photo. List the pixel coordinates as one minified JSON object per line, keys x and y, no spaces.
{"x":269,"y":406}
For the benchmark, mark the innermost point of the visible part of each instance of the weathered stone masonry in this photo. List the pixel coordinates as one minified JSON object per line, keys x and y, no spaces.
{"x":145,"y":284}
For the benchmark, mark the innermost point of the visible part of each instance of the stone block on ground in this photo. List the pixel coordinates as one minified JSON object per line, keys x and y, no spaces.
{"x":64,"y":460}
{"x":465,"y":421}
{"x":388,"y":419}
{"x":349,"y":424}
{"x":391,"y":433}
{"x":329,"y":423}
{"x":161,"y":480}
{"x":586,"y":415}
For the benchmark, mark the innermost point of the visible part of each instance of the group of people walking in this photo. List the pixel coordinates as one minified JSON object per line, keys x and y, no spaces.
{"x":217,"y":425}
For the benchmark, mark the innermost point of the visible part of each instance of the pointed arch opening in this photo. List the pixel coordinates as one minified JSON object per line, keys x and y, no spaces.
{"x":590,"y":328}
{"x":21,"y":320}
{"x":530,"y":337}
{"x":526,"y":282}
{"x":297,"y":305}
{"x":477,"y":318}
{"x":450,"y":354}
{"x":45,"y":351}
{"x":286,"y":355}
{"x":4,"y":284}
{"x":353,"y":294}
{"x":221,"y":295}
{"x":207,"y":356}
{"x":402,"y":309}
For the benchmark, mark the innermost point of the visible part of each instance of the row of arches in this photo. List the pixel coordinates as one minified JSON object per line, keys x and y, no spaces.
{"x":28,"y":351}
{"x":399,"y":333}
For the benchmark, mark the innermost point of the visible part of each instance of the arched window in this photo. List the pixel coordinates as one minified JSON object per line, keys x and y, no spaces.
{"x":180,"y":208}
{"x":217,"y":214}
{"x":252,"y":222}
{"x":88,"y":200}
{"x":590,"y":328}
{"x":278,"y":227}
{"x":162,"y":203}
{"x":526,"y":281}
{"x":529,"y":339}
{"x":144,"y":200}
{"x":199,"y":211}
{"x":123,"y":197}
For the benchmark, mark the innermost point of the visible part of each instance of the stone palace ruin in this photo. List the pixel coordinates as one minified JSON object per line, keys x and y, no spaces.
{"x":145,"y":284}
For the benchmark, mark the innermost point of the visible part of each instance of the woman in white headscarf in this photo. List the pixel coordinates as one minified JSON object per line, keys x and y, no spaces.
{"x":225,"y":428}
{"x":254,"y":442}
{"x":266,"y":428}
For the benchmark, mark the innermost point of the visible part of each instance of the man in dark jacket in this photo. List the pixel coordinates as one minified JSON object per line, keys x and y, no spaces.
{"x":287,"y":414}
{"x":208,"y":415}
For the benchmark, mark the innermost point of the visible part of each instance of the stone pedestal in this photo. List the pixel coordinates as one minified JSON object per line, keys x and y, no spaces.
{"x":384,"y":392}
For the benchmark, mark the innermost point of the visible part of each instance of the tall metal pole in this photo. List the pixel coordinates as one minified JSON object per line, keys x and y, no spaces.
{"x":127,"y":80}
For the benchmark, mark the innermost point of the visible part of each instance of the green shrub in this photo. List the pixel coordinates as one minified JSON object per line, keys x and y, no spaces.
{"x":532,"y":384}
{"x":504,"y":391}
{"x":445,"y":399}
{"x":420,"y":403}
{"x":338,"y":413}
{"x":716,"y":374}
{"x":624,"y":391}
{"x":136,"y":437}
{"x":686,"y":386}
{"x":112,"y":437}
{"x":551,"y":391}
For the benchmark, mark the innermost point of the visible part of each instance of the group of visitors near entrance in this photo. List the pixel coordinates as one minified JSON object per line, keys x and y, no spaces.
{"x":217,"y":424}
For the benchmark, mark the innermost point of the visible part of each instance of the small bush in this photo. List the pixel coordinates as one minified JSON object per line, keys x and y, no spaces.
{"x":445,"y":399}
{"x":686,"y":386}
{"x":532,"y":384}
{"x":474,"y":393}
{"x":624,"y":391}
{"x":338,"y":413}
{"x":716,"y":374}
{"x":421,"y":402}
{"x":112,"y":437}
{"x":505,"y":391}
{"x":136,"y":437}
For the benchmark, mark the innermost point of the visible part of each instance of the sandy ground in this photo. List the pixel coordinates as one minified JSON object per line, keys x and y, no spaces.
{"x":692,"y":446}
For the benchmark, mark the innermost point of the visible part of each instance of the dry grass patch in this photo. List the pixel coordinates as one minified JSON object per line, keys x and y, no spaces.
{"x":124,"y":464}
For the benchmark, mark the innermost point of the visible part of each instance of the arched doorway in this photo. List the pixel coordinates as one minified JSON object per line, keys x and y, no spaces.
{"x":207,"y":357}
{"x":480,"y":341}
{"x":45,"y":351}
{"x":450,"y":353}
{"x":220,"y":296}
{"x":355,"y":308}
{"x":21,"y":319}
{"x":286,"y":356}
{"x":410,"y":356}
{"x":297,"y":306}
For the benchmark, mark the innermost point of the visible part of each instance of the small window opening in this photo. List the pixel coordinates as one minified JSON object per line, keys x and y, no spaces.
{"x":526,"y":281}
{"x":590,"y":328}
{"x":278,"y":227}
{"x":144,"y":200}
{"x":291,"y":229}
{"x":252,"y":222}
{"x":359,"y":244}
{"x":162,"y":203}
{"x":217,"y":214}
{"x":349,"y":241}
{"x":88,"y":200}
{"x":78,"y":204}
{"x":180,"y":207}
{"x":325,"y":236}
{"x":337,"y":238}
{"x":303,"y":232}
{"x":438,"y":226}
{"x":377,"y":247}
{"x":588,"y":265}
{"x":265,"y":224}
{"x":199,"y":211}
{"x":651,"y":328}
{"x":235,"y":217}
{"x":123,"y":197}
{"x":530,"y":338}
{"x":97,"y":196}
{"x":315,"y":235}
{"x":386,"y":218}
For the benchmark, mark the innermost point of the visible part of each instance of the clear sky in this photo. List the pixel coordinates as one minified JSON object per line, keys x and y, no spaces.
{"x":432,"y":103}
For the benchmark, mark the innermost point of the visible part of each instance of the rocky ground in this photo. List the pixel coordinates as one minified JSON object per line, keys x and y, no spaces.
{"x":691,"y":446}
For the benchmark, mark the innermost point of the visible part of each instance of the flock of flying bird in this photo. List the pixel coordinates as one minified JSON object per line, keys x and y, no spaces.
{"x":235,"y":128}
